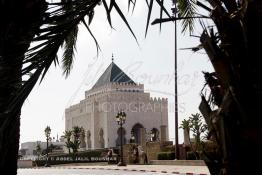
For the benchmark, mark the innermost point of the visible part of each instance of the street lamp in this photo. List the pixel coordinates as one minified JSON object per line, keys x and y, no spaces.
{"x":47,"y":134}
{"x":174,"y":11}
{"x":161,"y":20}
{"x":121,"y":118}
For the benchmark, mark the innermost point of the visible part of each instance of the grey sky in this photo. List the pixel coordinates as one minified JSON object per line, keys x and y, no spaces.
{"x":150,"y":63}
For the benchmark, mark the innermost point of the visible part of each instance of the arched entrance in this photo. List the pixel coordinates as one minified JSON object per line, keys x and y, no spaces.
{"x":88,"y":139}
{"x":101,"y":138}
{"x":137,"y":132}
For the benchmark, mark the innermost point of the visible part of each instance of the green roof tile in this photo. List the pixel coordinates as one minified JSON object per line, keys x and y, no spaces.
{"x":113,"y":74}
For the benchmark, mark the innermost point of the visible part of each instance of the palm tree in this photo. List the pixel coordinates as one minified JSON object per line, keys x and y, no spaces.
{"x":230,"y":36}
{"x":67,"y":135}
{"x":38,"y":149}
{"x":185,"y":125}
{"x":51,"y":26}
{"x":198,"y":128}
{"x":76,"y":138}
{"x":20,"y":21}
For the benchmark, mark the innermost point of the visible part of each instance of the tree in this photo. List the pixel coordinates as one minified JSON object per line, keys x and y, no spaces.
{"x":233,"y":39}
{"x":47,"y":134}
{"x":185,"y":125}
{"x":198,"y":128}
{"x":50,"y":26}
{"x":76,"y":138}
{"x":38,"y":149}
{"x":20,"y":21}
{"x":67,"y":135}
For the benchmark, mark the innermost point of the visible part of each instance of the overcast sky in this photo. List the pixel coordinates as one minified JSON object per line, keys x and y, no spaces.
{"x":151,"y":63}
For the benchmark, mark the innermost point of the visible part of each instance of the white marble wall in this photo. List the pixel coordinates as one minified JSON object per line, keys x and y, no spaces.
{"x":98,"y":110}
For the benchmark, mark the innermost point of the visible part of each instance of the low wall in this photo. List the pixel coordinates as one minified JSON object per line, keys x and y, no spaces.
{"x":178,"y":162}
{"x":24,"y":163}
{"x":152,"y":149}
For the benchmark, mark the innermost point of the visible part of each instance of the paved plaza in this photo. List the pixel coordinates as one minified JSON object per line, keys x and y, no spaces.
{"x":116,"y":170}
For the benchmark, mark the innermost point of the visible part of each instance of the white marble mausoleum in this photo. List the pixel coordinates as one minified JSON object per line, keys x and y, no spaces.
{"x":115,"y":91}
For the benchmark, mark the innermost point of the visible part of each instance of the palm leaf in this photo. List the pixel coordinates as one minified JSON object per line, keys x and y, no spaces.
{"x":149,"y":15}
{"x":90,"y":32}
{"x":69,"y":46}
{"x":107,"y":12}
{"x":134,"y":4}
{"x":59,"y":29}
{"x":187,"y":8}
{"x":161,"y":14}
{"x":124,"y":19}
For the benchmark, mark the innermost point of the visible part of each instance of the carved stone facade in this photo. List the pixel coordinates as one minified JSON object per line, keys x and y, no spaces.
{"x":115,"y":91}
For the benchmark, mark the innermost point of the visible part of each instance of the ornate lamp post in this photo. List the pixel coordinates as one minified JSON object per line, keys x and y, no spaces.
{"x":47,"y":134}
{"x":174,"y":11}
{"x":121,"y":118}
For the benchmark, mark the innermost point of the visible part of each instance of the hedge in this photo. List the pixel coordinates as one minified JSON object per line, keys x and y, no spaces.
{"x":84,"y":157}
{"x":166,"y":156}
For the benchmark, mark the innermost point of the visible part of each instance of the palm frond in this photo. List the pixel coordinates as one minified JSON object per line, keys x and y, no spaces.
{"x":150,"y":7}
{"x":123,"y":18}
{"x":107,"y":12}
{"x":187,"y":8}
{"x":90,"y":32}
{"x":59,"y":30}
{"x":161,"y":15}
{"x":69,"y":47}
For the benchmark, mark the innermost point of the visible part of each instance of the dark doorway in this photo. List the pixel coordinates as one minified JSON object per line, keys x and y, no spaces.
{"x":137,"y":132}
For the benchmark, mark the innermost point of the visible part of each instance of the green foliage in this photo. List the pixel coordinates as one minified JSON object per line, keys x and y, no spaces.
{"x":198,"y":127}
{"x":187,"y":9}
{"x":185,"y":124}
{"x":76,"y":138}
{"x":67,"y":136}
{"x":191,"y":155}
{"x":168,"y":148}
{"x":166,"y":156}
{"x":76,"y":133}
{"x":38,"y":149}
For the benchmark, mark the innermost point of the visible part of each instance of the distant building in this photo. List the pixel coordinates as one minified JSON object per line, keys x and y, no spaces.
{"x":28,"y":150}
{"x":115,"y":91}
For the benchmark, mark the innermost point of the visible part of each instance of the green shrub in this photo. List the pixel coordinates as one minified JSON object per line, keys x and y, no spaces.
{"x":168,"y":148}
{"x":166,"y":156}
{"x":191,"y":156}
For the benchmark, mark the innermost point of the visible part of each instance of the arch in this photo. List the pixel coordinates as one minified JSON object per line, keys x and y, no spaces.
{"x":137,"y":132}
{"x":82,"y":139}
{"x":101,"y":138}
{"x":88,"y":139}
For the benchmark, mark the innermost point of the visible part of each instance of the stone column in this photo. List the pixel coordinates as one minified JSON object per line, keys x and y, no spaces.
{"x":94,"y":126}
{"x":186,"y":137}
{"x":163,"y":133}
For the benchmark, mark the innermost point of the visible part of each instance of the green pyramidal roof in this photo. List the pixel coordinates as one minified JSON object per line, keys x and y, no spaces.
{"x":113,"y":74}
